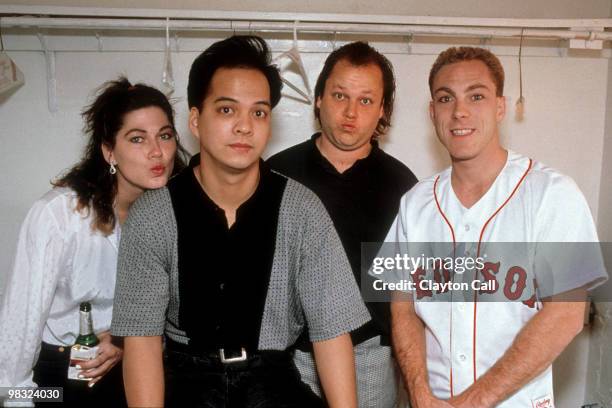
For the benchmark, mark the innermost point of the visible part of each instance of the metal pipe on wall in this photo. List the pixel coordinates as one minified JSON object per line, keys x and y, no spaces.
{"x":581,"y":32}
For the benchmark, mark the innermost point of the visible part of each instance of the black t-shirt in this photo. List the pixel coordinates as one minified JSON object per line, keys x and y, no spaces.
{"x":362,"y":202}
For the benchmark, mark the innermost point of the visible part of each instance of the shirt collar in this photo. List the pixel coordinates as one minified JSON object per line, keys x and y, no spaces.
{"x":265,"y":173}
{"x":319,"y":158}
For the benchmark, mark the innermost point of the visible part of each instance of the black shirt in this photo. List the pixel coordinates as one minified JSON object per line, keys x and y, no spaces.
{"x":362,"y":203}
{"x":223,"y":269}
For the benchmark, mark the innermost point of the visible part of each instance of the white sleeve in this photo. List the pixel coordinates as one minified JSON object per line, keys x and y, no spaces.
{"x":27,"y":298}
{"x":564,"y":214}
{"x":568,"y":253}
{"x":397,"y":232}
{"x":395,"y":244}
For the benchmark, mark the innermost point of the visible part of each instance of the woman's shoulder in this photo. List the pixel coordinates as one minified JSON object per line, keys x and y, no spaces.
{"x":55,"y":199}
{"x":53,"y":214}
{"x":58,"y":195}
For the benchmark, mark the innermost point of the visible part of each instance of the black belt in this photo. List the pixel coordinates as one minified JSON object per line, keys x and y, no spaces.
{"x":231,"y":356}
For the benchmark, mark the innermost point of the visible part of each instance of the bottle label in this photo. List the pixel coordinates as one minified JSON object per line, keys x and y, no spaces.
{"x":79,"y":354}
{"x":85,"y":323}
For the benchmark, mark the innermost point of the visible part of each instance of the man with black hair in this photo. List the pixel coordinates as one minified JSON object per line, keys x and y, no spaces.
{"x":232,"y":260}
{"x":360,"y":186}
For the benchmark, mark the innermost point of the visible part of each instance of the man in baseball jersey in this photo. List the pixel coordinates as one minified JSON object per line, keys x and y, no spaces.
{"x":360,"y":186}
{"x":486,"y":354}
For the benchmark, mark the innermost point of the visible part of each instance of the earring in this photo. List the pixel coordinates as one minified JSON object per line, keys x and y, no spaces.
{"x":112,"y":169}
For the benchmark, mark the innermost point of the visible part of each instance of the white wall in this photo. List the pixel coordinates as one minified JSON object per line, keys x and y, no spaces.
{"x":564,"y":107}
{"x":599,"y":374}
{"x":564,"y":126}
{"x":605,"y":215}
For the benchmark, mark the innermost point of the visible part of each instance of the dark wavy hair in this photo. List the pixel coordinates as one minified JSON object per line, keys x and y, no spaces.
{"x":238,"y":51}
{"x":358,"y":54}
{"x":95,"y":187}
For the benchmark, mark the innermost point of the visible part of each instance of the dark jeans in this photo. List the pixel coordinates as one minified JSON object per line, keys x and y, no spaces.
{"x":51,"y":370}
{"x":267,"y":380}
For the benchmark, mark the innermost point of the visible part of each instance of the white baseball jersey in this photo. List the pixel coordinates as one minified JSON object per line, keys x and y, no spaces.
{"x":527,"y":203}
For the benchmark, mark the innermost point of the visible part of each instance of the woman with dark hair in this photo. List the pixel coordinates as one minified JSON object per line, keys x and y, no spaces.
{"x":67,"y":248}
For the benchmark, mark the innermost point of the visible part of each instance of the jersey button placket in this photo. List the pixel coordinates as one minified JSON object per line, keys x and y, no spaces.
{"x":465,"y":229}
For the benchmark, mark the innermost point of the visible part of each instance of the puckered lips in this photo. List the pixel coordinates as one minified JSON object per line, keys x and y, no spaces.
{"x":348,"y":127}
{"x":158,"y":170}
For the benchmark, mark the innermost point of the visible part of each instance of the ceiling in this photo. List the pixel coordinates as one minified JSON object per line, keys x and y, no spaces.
{"x":561,"y":9}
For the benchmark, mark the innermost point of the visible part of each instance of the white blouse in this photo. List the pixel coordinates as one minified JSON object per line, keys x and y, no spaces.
{"x":60,"y":262}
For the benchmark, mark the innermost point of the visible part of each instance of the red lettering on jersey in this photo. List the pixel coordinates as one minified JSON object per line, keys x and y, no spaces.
{"x":418,"y":276}
{"x":516,"y":275}
{"x":489,"y":271}
{"x":441,"y":275}
{"x":531,"y":302}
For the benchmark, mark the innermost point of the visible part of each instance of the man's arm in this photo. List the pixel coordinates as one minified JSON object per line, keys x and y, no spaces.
{"x":536,"y":346}
{"x":408,"y":339}
{"x":142,"y":295}
{"x":336,"y":368}
{"x":143,"y":371}
{"x":329,"y":298}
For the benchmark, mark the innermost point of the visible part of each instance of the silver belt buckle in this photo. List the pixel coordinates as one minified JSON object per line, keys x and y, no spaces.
{"x":242,"y":357}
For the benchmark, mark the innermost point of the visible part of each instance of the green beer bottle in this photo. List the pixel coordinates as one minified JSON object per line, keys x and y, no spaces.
{"x":85,"y":347}
{"x":87,"y":337}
